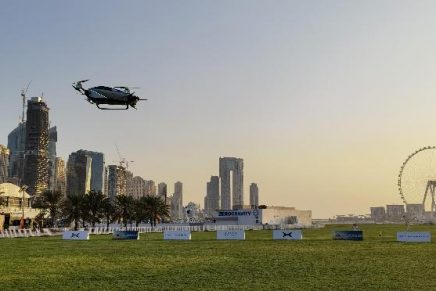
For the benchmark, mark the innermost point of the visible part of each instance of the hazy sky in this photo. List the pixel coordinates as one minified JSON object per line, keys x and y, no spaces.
{"x":322,"y":99}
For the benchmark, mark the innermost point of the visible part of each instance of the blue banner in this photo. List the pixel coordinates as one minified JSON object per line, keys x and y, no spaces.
{"x":126,"y":234}
{"x":348,"y":235}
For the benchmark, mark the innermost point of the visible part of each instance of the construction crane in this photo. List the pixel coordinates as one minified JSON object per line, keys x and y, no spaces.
{"x":123,"y":162}
{"x":23,"y":95}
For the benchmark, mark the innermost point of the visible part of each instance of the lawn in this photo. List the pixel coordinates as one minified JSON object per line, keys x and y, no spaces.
{"x":316,"y":262}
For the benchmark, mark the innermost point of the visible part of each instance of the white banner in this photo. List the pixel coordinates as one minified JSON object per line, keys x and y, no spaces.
{"x":177,"y":235}
{"x":288,"y":234}
{"x":414,"y":236}
{"x":76,"y":235}
{"x":230,"y":234}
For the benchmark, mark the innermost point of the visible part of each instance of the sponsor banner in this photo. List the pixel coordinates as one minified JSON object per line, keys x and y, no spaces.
{"x":126,"y":234}
{"x":230,"y":234}
{"x":290,"y":234}
{"x":237,"y":213}
{"x":348,"y":235}
{"x":414,"y":236}
{"x":177,"y":235}
{"x":75,"y":235}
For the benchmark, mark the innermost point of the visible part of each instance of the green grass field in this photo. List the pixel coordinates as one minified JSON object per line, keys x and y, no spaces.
{"x":258,"y":263}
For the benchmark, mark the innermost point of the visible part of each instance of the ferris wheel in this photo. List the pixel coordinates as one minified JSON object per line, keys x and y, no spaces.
{"x":417,"y":179}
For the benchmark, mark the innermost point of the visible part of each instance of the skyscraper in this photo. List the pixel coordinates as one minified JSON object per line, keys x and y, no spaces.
{"x":36,"y":172}
{"x":150,"y":188}
{"x":16,"y":145}
{"x":116,"y":181}
{"x":137,"y":187}
{"x":97,"y":170}
{"x":52,"y":139}
{"x":212,"y":199}
{"x":4,"y":164}
{"x":254,"y":194}
{"x":79,"y":173}
{"x":232,"y":196}
{"x":60,"y":180}
{"x":162,"y":190}
{"x":177,"y":201}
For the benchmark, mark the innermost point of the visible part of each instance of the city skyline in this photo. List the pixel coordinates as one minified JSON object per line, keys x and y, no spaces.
{"x":323,"y":101}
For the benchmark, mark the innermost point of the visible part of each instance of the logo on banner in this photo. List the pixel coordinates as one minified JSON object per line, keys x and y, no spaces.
{"x":73,"y":235}
{"x":287,"y":234}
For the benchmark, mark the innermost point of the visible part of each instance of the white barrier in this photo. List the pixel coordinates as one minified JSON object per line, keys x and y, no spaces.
{"x":230,"y":235}
{"x":177,"y":235}
{"x":288,"y":234}
{"x":75,"y":235}
{"x":414,"y":236}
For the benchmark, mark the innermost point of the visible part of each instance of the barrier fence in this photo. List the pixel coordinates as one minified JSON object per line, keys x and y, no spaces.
{"x":101,"y":230}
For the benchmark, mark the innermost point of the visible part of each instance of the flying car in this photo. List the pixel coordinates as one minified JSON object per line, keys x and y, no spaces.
{"x":112,"y":96}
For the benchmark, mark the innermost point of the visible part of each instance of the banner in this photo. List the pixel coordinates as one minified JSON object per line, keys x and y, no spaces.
{"x":230,"y":234}
{"x":126,"y":234}
{"x":348,"y":235}
{"x":177,"y":235}
{"x":75,"y":235}
{"x":294,"y":234}
{"x":414,"y":236}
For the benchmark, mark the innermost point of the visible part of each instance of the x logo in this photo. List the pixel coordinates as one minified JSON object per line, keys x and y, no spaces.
{"x":75,"y":235}
{"x":287,"y":234}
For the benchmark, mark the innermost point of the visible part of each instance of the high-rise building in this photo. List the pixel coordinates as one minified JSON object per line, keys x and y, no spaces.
{"x":150,"y":188}
{"x":116,"y":181}
{"x":212,"y":199}
{"x":4,"y":164}
{"x":137,"y":187}
{"x":177,"y":201}
{"x":162,"y":191}
{"x":79,"y":173}
{"x":52,"y":139}
{"x":36,"y":172}
{"x":97,"y":170}
{"x":16,"y":145}
{"x":129,"y":183}
{"x":395,"y":212}
{"x":378,"y":214}
{"x":106,"y":181}
{"x":60,"y":180}
{"x":232,"y":196}
{"x":254,"y":194}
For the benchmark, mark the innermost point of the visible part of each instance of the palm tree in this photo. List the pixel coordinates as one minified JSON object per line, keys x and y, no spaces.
{"x":93,"y":206}
{"x":140,"y":211}
{"x":73,"y":209}
{"x":156,"y":209}
{"x":50,"y":201}
{"x":125,"y":208}
{"x":109,"y":211}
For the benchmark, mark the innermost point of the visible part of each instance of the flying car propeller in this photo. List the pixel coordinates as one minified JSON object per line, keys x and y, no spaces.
{"x":111,"y":96}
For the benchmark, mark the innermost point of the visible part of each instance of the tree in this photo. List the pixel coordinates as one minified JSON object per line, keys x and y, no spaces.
{"x":125,"y":208}
{"x":109,"y":211}
{"x":50,"y":202}
{"x":93,"y":207}
{"x":2,"y":200}
{"x":156,"y":209}
{"x":73,"y":209}
{"x":140,"y":211}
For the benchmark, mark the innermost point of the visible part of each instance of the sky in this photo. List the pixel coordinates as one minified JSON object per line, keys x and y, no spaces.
{"x":323,"y":100}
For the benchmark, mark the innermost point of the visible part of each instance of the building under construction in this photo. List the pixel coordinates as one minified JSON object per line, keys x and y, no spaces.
{"x":4,"y":163}
{"x":36,"y":162}
{"x":117,"y":181}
